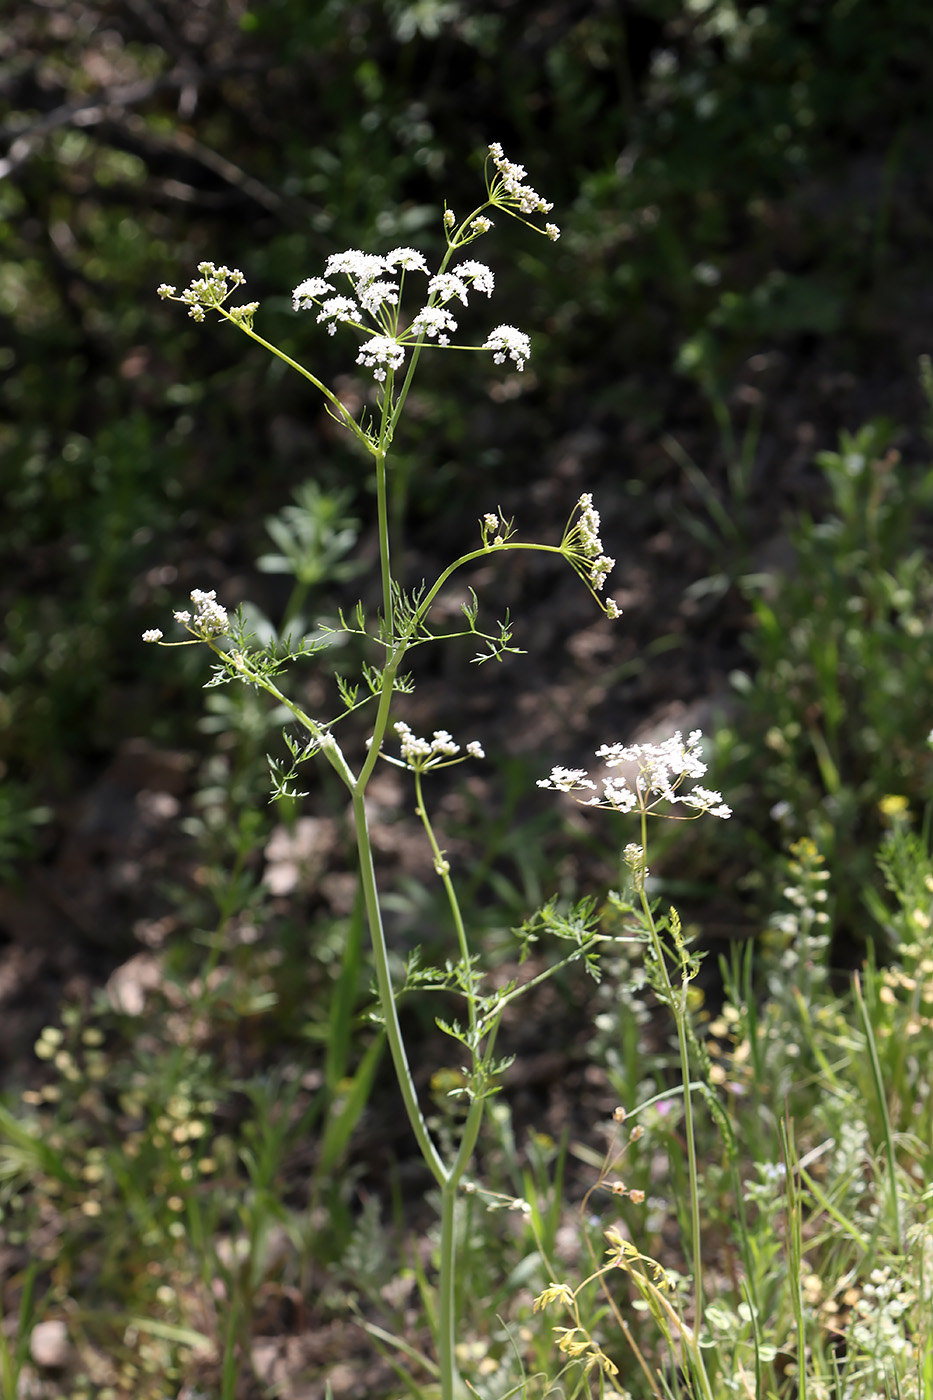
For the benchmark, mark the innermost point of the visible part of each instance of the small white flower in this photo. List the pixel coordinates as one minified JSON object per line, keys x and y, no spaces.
{"x":612,"y":609}
{"x":567,"y":780}
{"x":602,"y":568}
{"x":480,"y":224}
{"x":380,"y":352}
{"x":446,"y":285}
{"x":184,"y":617}
{"x":308,"y":292}
{"x":407,"y":258}
{"x":449,"y":218}
{"x":478,"y":275}
{"x":661,"y":771}
{"x":618,"y":794}
{"x":154,"y":634}
{"x":437,"y":752}
{"x":507,"y":188}
{"x":210,"y":618}
{"x":166,"y":291}
{"x":361,"y":267}
{"x":588,"y":527}
{"x":434,"y":322}
{"x":552,"y":231}
{"x":507,"y":342}
{"x":338,"y":309}
{"x":376,"y":294}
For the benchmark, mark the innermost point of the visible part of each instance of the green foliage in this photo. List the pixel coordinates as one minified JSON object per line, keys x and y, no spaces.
{"x":842,"y":650}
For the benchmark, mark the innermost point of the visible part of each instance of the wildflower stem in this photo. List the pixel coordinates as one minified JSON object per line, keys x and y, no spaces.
{"x":442,"y":867}
{"x":387,"y":993}
{"x":341,"y":411}
{"x":383,"y":526}
{"x":678,"y":1005}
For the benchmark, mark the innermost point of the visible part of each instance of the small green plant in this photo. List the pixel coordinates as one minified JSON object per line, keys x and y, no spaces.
{"x":843,"y":652}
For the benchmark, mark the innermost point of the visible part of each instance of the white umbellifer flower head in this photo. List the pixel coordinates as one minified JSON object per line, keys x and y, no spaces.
{"x":210,"y":619}
{"x":588,"y":526}
{"x":154,"y":634}
{"x":434,"y":322}
{"x":477,"y":274}
{"x":662,"y":770}
{"x":552,"y":231}
{"x":380,"y":352}
{"x":507,"y":188}
{"x":209,"y":291}
{"x":309,"y":291}
{"x":338,"y":309}
{"x":508,"y":343}
{"x":377,"y":294}
{"x":602,"y":568}
{"x":583,"y":547}
{"x":447,"y":285}
{"x":409,"y":259}
{"x":567,"y":780}
{"x":361,"y":268}
{"x":437,"y":752}
{"x":480,"y":224}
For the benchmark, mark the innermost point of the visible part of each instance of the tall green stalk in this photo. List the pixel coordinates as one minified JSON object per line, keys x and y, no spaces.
{"x":677,"y":1001}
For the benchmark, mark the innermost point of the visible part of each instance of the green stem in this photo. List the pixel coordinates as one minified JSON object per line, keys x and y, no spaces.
{"x":384,"y":559}
{"x":341,"y":411}
{"x":678,"y":1006}
{"x":387,"y":994}
{"x":441,"y":865}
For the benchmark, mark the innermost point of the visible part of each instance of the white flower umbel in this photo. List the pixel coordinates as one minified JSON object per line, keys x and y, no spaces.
{"x":506,"y":189}
{"x":661,"y":772}
{"x":408,"y":259}
{"x":379,"y":353}
{"x":420,"y":755}
{"x":478,"y":275}
{"x":336,"y":309}
{"x":207,"y":292}
{"x":209,"y":619}
{"x":434,"y":322}
{"x":583,"y":547}
{"x":309,"y":291}
{"x":507,"y":343}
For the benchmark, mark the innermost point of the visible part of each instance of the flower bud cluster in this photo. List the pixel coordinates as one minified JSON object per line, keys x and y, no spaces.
{"x":207,"y":292}
{"x":437,"y":752}
{"x":584,"y":549}
{"x":208,"y":620}
{"x":508,"y":192}
{"x":661,"y":771}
